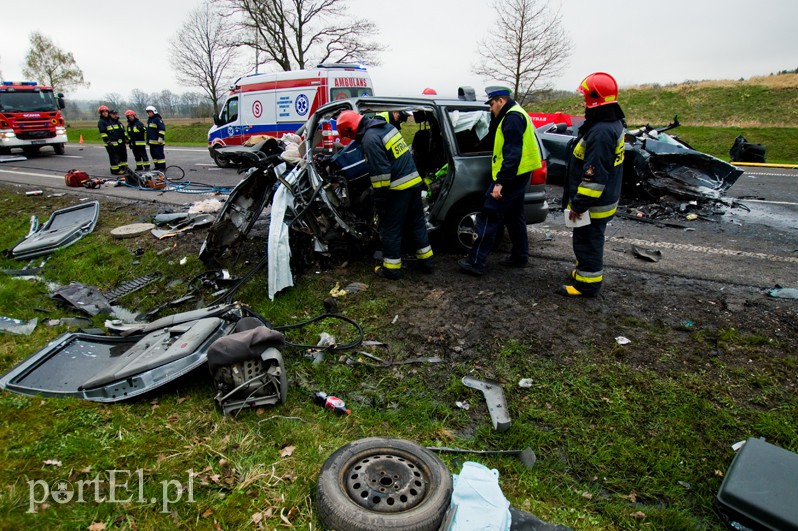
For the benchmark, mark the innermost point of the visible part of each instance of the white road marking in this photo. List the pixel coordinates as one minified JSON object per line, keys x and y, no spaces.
{"x":187,"y":149}
{"x":680,"y":247}
{"x":765,"y":201}
{"x":60,"y":177}
{"x":71,"y":156}
{"x":203,"y":164}
{"x":770,"y":174}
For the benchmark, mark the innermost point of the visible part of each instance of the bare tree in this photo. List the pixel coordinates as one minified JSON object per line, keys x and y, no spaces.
{"x":139,"y":100}
{"x":203,"y":51}
{"x":527,"y":46}
{"x":298,"y":33}
{"x":47,"y":63}
{"x":169,"y":101}
{"x":114,"y":100}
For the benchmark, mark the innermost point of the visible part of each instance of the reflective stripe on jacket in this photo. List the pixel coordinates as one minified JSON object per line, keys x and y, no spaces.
{"x":137,"y":133}
{"x":156,"y":129}
{"x":507,"y":161}
{"x":596,"y":170}
{"x":389,"y":160}
{"x":102,"y":125}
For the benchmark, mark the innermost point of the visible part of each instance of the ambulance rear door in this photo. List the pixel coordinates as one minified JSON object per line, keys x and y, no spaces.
{"x":257,"y":113}
{"x":295,"y":101}
{"x":349,"y":83}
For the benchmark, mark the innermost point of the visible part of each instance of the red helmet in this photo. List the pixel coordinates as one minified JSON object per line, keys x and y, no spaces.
{"x":347,"y":123}
{"x":429,"y":92}
{"x":103,"y":108}
{"x":599,"y":89}
{"x":129,"y":113}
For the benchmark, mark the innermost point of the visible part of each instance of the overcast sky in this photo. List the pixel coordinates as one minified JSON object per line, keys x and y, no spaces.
{"x":433,"y":43}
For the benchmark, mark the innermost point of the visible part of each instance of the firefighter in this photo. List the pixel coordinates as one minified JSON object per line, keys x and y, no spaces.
{"x":593,"y":186}
{"x":156,"y":137}
{"x":395,"y":118}
{"x":117,"y":133}
{"x":397,"y":190}
{"x":137,"y":138}
{"x":515,"y":156}
{"x":107,"y":134}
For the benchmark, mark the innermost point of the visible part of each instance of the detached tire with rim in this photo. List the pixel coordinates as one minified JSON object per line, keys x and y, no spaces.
{"x":380,"y":484}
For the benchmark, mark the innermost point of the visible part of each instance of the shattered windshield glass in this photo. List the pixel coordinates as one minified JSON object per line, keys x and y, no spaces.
{"x":28,"y":101}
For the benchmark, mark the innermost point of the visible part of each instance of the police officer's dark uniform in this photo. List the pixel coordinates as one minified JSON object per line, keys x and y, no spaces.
{"x":156,"y":137}
{"x":104,"y":124}
{"x":137,"y":138}
{"x":397,"y":190}
{"x":118,"y":135}
{"x":595,"y":174}
{"x":515,"y":156}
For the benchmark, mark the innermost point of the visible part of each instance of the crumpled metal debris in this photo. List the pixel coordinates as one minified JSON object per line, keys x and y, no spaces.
{"x":649,"y":255}
{"x":87,"y":299}
{"x":18,"y":326}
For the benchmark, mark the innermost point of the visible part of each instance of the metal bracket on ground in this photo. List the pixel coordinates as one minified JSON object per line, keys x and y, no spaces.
{"x":494,"y":396}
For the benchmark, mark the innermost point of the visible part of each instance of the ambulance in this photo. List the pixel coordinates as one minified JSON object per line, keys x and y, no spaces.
{"x":276,"y":103}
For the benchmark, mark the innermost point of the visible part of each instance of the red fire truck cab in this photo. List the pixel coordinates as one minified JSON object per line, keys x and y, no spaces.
{"x":30,"y":117}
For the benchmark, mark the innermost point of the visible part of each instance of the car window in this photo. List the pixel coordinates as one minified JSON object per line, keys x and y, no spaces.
{"x":349,"y":92}
{"x":230,"y":111}
{"x":471,"y":130}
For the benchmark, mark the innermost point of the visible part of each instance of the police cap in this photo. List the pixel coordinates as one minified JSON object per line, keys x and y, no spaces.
{"x":496,"y":91}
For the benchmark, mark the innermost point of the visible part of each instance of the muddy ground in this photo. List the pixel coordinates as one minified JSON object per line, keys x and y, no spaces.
{"x":466,"y":319}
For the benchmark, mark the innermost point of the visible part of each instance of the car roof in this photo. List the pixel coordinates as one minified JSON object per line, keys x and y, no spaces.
{"x":385,"y":103}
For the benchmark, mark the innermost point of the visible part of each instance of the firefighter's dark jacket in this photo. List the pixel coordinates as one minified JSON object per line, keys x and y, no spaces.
{"x":388,"y":155}
{"x":111,"y":131}
{"x":596,"y":170}
{"x":136,"y":133}
{"x":155,"y":129}
{"x":103,"y":125}
{"x":513,"y":126}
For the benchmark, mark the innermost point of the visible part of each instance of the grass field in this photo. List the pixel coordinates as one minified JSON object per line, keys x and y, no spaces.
{"x":620,"y":448}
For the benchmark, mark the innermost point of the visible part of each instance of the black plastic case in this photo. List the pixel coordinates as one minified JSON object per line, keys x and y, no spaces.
{"x":760,"y":490}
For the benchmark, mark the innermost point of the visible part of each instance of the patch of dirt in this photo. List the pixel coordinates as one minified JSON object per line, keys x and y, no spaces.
{"x":675,"y":324}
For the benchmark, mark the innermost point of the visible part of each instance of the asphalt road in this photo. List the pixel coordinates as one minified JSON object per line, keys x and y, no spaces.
{"x":46,"y":171}
{"x":753,"y":246}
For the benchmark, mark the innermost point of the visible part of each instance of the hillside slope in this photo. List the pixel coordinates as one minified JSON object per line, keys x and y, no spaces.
{"x":770,"y":101}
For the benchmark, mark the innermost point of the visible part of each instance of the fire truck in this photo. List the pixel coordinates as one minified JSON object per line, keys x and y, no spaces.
{"x":30,"y":117}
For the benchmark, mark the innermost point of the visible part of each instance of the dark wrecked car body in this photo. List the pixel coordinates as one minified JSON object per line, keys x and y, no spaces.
{"x":656,"y":164}
{"x":331,"y":210}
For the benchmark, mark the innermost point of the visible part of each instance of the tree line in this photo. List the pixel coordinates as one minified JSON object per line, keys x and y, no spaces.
{"x":169,"y":104}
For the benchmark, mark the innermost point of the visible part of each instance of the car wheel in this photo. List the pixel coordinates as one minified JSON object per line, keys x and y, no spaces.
{"x":59,"y":149}
{"x":380,"y":484}
{"x":461,"y":227}
{"x":221,"y":162}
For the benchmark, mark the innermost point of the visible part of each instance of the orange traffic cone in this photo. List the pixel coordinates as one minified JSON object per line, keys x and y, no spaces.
{"x":81,"y":139}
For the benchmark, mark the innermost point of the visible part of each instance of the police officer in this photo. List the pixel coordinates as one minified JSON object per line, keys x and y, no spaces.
{"x":515,"y":156}
{"x":397,"y":190}
{"x":156,"y":137}
{"x":594,"y":181}
{"x":137,"y":138}
{"x":117,"y":134}
{"x":107,"y":135}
